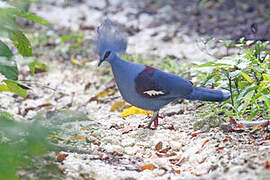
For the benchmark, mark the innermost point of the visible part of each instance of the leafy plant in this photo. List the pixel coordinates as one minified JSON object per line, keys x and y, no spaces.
{"x":10,"y":29}
{"x":19,"y":143}
{"x":246,"y":75}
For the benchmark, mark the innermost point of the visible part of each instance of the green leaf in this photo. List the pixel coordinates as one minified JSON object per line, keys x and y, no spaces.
{"x":31,"y":16}
{"x":9,"y":70}
{"x":247,"y":90}
{"x":26,"y":15}
{"x":21,"y":42}
{"x":4,"y":50}
{"x":13,"y":86}
{"x":37,"y":65}
{"x":212,"y":64}
{"x":266,"y":77}
{"x":246,"y":76}
{"x":3,"y":87}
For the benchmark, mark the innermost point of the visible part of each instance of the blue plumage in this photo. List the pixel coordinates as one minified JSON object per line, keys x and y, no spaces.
{"x":143,"y":86}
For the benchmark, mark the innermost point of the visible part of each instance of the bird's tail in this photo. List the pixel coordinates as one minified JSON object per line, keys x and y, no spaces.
{"x":204,"y":94}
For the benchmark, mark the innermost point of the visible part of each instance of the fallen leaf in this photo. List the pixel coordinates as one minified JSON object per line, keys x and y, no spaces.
{"x":177,"y":171}
{"x":174,"y":160}
{"x":134,"y":110}
{"x":77,"y":62}
{"x":158,"y":146}
{"x":45,"y":105}
{"x":165,"y":150}
{"x":159,"y":155}
{"x":267,"y":137}
{"x":206,"y":141}
{"x":84,"y":128}
{"x":232,"y":120}
{"x":194,"y":134}
{"x":240,"y":125}
{"x":267,"y":164}
{"x":61,"y":157}
{"x":184,"y":159}
{"x":150,"y":167}
{"x":219,"y":148}
{"x":118,"y":106}
{"x":75,"y":138}
{"x":87,"y":86}
{"x":203,"y":160}
{"x":103,"y":158}
{"x":171,"y":127}
{"x":108,"y":91}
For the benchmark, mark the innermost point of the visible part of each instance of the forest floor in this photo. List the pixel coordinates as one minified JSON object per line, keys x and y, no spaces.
{"x":105,"y":146}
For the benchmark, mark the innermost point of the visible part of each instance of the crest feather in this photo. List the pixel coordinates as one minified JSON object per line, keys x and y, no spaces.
{"x":110,"y":36}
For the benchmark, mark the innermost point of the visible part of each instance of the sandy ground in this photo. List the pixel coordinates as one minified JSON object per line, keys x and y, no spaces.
{"x":119,"y":148}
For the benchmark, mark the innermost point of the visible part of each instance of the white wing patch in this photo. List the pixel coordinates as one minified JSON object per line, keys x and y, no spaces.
{"x":153,"y":92}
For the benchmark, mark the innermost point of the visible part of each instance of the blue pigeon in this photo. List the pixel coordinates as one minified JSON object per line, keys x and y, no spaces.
{"x":143,"y":86}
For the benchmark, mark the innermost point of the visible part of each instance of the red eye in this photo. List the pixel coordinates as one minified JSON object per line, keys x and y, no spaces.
{"x":107,"y":54}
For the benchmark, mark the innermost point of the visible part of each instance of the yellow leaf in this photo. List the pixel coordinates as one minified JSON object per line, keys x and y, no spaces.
{"x":75,"y":138}
{"x":266,"y":77}
{"x":78,"y":63}
{"x":246,"y":76}
{"x":150,"y":167}
{"x":118,"y":106}
{"x":108,"y":91}
{"x":84,"y":128}
{"x":134,"y":110}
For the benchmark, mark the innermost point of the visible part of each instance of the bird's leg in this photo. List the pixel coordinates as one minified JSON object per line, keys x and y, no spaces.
{"x":153,"y":119}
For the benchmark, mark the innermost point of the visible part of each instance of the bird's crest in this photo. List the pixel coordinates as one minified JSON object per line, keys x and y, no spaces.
{"x":110,"y":36}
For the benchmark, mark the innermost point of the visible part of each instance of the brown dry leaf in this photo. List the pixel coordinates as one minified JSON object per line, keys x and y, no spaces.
{"x":150,"y":167}
{"x":240,"y":125}
{"x":134,"y":110}
{"x":117,"y":106}
{"x":48,"y":105}
{"x":158,"y":146}
{"x":267,"y":164}
{"x":171,"y":127}
{"x":61,"y":157}
{"x":177,"y":171}
{"x":87,"y":86}
{"x":76,"y":138}
{"x":267,"y":137}
{"x":194,"y":134}
{"x":232,"y":121}
{"x":174,"y":160}
{"x":159,"y":155}
{"x":219,"y":148}
{"x":203,"y":160}
{"x":206,"y":141}
{"x":165,"y":150}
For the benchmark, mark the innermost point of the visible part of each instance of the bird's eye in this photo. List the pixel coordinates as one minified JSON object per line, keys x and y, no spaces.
{"x":107,"y":54}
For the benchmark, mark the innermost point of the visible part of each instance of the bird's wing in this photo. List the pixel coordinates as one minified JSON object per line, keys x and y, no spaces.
{"x":153,"y":83}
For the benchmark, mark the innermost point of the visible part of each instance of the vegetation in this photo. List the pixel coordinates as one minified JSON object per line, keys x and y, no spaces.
{"x":10,"y":29}
{"x":19,"y":142}
{"x":246,"y":75}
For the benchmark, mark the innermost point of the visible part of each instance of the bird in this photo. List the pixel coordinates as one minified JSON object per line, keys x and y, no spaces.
{"x":143,"y":86}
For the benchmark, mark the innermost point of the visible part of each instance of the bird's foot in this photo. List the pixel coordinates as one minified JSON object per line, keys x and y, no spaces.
{"x":156,"y":121}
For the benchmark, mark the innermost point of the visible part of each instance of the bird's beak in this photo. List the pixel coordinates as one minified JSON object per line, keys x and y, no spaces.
{"x":100,"y":62}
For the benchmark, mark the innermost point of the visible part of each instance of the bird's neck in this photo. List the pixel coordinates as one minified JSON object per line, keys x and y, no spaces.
{"x":118,"y":66}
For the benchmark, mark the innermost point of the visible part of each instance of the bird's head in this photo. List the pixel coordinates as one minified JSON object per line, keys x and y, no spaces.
{"x":107,"y":56}
{"x":111,"y":39}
